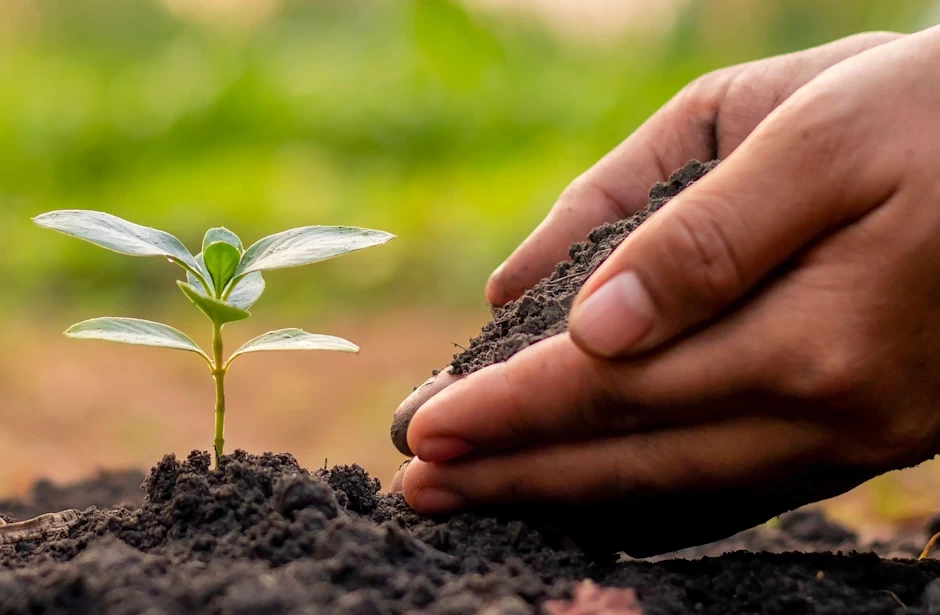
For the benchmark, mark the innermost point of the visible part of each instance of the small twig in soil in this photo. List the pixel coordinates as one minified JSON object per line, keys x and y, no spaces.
{"x":895,"y":596}
{"x":459,"y":346}
{"x":563,"y":278}
{"x":930,"y":544}
{"x":50,"y":524}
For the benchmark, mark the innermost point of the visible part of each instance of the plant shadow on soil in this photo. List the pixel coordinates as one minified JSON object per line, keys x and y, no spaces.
{"x":262,"y":535}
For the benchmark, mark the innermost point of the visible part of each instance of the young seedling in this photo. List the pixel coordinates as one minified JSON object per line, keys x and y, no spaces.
{"x":224,"y":280}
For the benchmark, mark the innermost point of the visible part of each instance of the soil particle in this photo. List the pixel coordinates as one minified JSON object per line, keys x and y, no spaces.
{"x":542,"y":311}
{"x":262,"y":535}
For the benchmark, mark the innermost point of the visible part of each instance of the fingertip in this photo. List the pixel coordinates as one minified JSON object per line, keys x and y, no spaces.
{"x":497,"y":293}
{"x":411,"y":476}
{"x":399,"y":477}
{"x":426,"y":497}
{"x":407,"y":409}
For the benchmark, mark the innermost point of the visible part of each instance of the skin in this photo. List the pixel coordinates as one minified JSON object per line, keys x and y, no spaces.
{"x":765,"y":341}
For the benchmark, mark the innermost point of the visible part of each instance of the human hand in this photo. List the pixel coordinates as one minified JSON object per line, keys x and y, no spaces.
{"x":708,"y":119}
{"x":774,"y":323}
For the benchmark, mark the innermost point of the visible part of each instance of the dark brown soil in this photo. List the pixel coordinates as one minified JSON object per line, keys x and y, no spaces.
{"x":543,"y":310}
{"x":262,"y":535}
{"x":114,"y":489}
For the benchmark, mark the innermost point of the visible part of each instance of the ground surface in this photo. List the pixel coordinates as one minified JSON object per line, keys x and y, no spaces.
{"x":263,"y":535}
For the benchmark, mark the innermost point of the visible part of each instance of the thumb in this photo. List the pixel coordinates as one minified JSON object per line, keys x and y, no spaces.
{"x":786,"y":185}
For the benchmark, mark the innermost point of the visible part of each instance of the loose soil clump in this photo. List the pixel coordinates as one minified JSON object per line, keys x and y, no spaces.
{"x":542,"y":311}
{"x":261,"y":534}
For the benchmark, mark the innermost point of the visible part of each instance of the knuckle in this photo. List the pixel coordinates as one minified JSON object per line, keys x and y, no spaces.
{"x":873,"y":38}
{"x":700,"y":97}
{"x":653,"y":468}
{"x":831,"y":369}
{"x":819,"y":119}
{"x":585,"y":188}
{"x":701,"y":248}
{"x":514,"y":384}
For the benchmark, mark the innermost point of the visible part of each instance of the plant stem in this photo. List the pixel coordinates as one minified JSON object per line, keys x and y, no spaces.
{"x":218,"y":373}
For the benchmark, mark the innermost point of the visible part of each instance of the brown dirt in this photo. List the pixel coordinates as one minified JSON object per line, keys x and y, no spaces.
{"x":263,"y":535}
{"x":543,"y":310}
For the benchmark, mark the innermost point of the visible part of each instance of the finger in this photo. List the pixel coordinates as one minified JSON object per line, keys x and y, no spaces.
{"x":399,"y":477}
{"x":553,"y":391}
{"x":793,"y":180}
{"x":707,"y":119}
{"x":727,"y":454}
{"x":615,"y":187}
{"x":406,"y":410}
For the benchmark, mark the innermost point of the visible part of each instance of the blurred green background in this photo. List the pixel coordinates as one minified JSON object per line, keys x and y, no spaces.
{"x":452,"y":125}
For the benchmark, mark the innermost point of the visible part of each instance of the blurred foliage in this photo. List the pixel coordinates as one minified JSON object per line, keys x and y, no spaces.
{"x":453,"y":129}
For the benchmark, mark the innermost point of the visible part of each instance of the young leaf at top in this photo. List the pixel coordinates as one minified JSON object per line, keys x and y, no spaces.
{"x":117,"y":234}
{"x":294,"y":339}
{"x":305,"y":245}
{"x":245,"y":293}
{"x":221,"y":259}
{"x":218,"y":311}
{"x":134,"y":331}
{"x":222,"y":234}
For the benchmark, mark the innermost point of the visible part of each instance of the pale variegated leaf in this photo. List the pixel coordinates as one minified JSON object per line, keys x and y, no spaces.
{"x":247,"y":291}
{"x":294,"y":339}
{"x":305,"y":245}
{"x":117,"y":234}
{"x":134,"y":331}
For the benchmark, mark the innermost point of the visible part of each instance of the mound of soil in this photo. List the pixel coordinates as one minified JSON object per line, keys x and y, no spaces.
{"x":261,"y":535}
{"x":542,"y":311}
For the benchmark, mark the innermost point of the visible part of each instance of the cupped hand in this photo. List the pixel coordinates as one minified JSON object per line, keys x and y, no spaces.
{"x":769,"y":335}
{"x":708,"y":119}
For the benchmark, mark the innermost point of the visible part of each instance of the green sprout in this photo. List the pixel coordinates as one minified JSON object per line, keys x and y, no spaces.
{"x":223,"y":281}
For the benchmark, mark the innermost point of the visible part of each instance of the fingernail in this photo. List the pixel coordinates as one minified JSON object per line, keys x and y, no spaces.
{"x":614,"y":317}
{"x":398,"y":479}
{"x":435,"y":501}
{"x":439,"y":450}
{"x":494,"y":288}
{"x":407,"y":409}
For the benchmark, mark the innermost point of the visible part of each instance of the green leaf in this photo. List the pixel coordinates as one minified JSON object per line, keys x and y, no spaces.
{"x":219,"y":312}
{"x":247,"y":291}
{"x":294,"y":339}
{"x":116,"y":234}
{"x":305,"y":245}
{"x":134,"y":331}
{"x":221,"y":259}
{"x":222,"y":234}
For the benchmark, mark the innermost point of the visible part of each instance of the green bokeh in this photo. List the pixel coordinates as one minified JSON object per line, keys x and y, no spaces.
{"x":453,"y":130}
